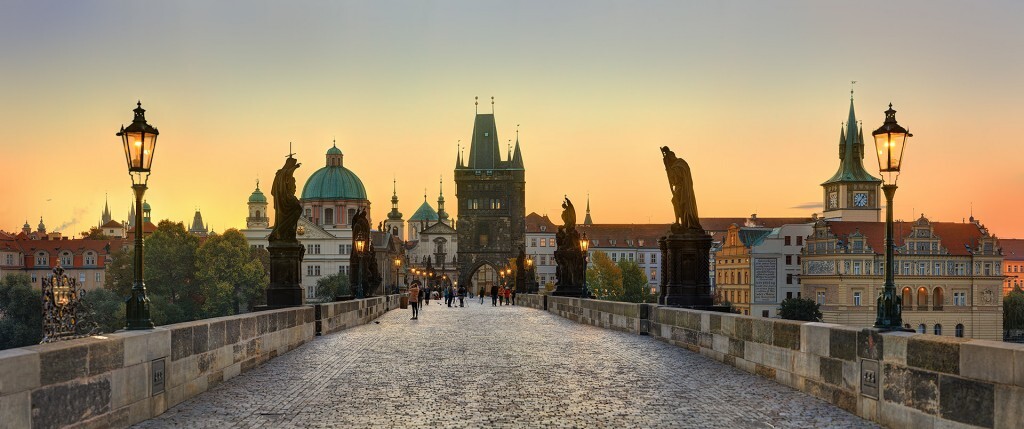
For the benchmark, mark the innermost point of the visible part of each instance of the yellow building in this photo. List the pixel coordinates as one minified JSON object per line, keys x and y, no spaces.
{"x":1013,"y":264}
{"x":732,"y":266}
{"x":949,"y":274}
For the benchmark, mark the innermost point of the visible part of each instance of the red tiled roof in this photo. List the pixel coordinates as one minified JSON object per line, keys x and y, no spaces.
{"x":534,"y":221}
{"x":112,"y":224}
{"x":147,"y":227}
{"x":953,"y":235}
{"x":77,"y":246}
{"x":1013,"y":248}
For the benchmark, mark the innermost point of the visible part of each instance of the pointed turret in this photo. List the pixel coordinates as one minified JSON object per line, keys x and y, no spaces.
{"x":851,"y":167}
{"x":587,"y":220}
{"x":198,"y":228}
{"x":484,"y":153}
{"x":395,"y":214}
{"x":106,"y":217}
{"x":131,"y":216}
{"x":42,"y":226}
{"x":441,"y":214}
{"x":517,"y":156}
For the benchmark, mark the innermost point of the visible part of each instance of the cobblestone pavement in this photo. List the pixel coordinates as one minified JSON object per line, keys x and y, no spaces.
{"x":497,"y":367}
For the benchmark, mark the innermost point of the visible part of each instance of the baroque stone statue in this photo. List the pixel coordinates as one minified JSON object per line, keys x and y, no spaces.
{"x":681,"y":183}
{"x":287,"y":208}
{"x":569,"y":260}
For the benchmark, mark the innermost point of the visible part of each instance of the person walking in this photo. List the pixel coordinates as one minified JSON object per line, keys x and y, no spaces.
{"x":426,"y":296}
{"x":494,"y":295}
{"x":512,"y":293}
{"x":481,"y":295}
{"x":414,"y":298}
{"x":462,"y":296}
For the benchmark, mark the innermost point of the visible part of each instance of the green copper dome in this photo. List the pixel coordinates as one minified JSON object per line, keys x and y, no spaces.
{"x":334,"y":181}
{"x":257,"y":196}
{"x":145,"y":206}
{"x":425,"y":212}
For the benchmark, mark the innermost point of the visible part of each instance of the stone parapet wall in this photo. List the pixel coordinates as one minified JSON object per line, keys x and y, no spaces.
{"x":620,"y":316}
{"x":337,"y":316}
{"x":114,"y":380}
{"x":531,"y":300}
{"x":923,"y":380}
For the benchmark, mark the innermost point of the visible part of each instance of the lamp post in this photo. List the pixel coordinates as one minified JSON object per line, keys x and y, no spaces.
{"x":360,"y":243}
{"x":532,"y":276}
{"x":890,"y":140}
{"x":398,"y":265}
{"x":139,"y":140}
{"x":584,"y":245}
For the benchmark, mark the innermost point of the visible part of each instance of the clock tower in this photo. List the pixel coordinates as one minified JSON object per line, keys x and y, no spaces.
{"x":852,"y":194}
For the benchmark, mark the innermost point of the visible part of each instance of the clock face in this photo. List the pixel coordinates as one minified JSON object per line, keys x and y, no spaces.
{"x":833,"y":200}
{"x":860,"y":200}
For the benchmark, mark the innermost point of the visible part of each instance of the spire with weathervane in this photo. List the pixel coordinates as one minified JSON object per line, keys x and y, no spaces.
{"x":852,"y":194}
{"x":587,"y":220}
{"x":442,"y":216}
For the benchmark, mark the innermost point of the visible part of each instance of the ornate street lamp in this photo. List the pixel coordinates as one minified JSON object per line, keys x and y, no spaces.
{"x":360,"y":244}
{"x":139,"y":140}
{"x":584,"y":246}
{"x":890,"y":139}
{"x":398,"y":264}
{"x":531,"y":273}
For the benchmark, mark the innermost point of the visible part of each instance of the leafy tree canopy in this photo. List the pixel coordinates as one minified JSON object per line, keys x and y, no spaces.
{"x":1013,"y":309}
{"x":604,"y":278}
{"x":800,"y":309}
{"x":332,"y":286}
{"x":21,"y":312}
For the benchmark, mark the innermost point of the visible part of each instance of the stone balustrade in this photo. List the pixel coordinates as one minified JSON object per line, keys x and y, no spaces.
{"x":899,"y":379}
{"x":119,"y":379}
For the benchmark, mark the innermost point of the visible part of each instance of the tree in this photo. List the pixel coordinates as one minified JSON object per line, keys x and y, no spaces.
{"x":1013,"y":309}
{"x":101,"y":311}
{"x":331,"y":286}
{"x":121,"y":271}
{"x":604,"y":279}
{"x":94,"y":233}
{"x":800,"y":309}
{"x":634,"y":283}
{"x":21,"y":312}
{"x":230,"y":275}
{"x":170,"y":262}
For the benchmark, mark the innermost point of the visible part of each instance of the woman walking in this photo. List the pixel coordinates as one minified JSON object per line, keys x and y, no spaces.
{"x":414,"y":299}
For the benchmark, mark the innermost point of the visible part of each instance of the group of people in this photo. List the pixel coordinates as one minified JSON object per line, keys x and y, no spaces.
{"x":421,"y":296}
{"x":500,"y":295}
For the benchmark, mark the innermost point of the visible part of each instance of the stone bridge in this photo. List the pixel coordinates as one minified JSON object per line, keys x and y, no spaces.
{"x":580,"y":363}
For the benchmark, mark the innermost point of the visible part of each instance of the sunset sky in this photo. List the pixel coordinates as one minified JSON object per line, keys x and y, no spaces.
{"x":751,"y":93}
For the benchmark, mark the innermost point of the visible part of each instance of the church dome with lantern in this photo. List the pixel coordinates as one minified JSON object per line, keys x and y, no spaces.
{"x":333,"y":181}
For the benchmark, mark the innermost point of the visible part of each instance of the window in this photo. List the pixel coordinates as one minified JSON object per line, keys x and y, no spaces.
{"x":922,"y":329}
{"x":344,"y":249}
{"x":316,"y":270}
{"x":856,"y":268}
{"x":938,"y":330}
{"x":99,"y":277}
{"x":960,"y":330}
{"x":960,"y":299}
{"x":65,"y":259}
{"x":42,"y":259}
{"x":651,"y":258}
{"x":533,"y":242}
{"x":615,"y":257}
{"x":311,"y":292}
{"x":33,"y":278}
{"x":631,"y":257}
{"x":906,"y":268}
{"x":937,"y":269}
{"x":90,"y":258}
{"x":961,"y":269}
{"x":309,"y":270}
{"x":10,"y":259}
{"x":309,"y":214}
{"x":789,"y":259}
{"x":313,"y":249}
{"x":551,"y":242}
{"x":821,"y":297}
{"x":906,"y":298}
{"x":328,"y":216}
{"x":856,"y":299}
{"x":921,"y":268}
{"x":764,"y":313}
{"x":799,"y":240}
{"x":789,"y":295}
{"x":788,"y":241}
{"x":789,"y":279}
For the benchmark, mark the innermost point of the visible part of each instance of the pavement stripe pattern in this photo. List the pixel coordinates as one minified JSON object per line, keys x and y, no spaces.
{"x":497,"y":367}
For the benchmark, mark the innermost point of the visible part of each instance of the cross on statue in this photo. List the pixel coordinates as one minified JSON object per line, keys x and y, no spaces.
{"x":290,"y":153}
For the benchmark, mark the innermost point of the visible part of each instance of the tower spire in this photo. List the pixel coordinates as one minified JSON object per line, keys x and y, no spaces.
{"x":587,"y":220}
{"x":476,"y":105}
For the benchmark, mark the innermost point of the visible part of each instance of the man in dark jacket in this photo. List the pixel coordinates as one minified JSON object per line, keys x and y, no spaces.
{"x":462,"y":296}
{"x":494,"y":295}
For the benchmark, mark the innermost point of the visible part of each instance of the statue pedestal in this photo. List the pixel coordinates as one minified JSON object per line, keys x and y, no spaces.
{"x":285,"y":288}
{"x":575,"y":291}
{"x":685,"y":281}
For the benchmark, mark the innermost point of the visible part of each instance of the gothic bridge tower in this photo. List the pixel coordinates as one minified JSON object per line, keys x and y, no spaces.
{"x":491,"y":197}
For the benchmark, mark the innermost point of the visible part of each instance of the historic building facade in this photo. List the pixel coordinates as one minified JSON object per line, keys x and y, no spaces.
{"x":732,"y":266}
{"x":950,"y":275}
{"x":36,"y":253}
{"x":1013,"y":264}
{"x":540,"y":246}
{"x":491,"y":196}
{"x":775,"y":268}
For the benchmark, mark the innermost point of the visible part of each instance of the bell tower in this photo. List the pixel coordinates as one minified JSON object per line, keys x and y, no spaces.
{"x":258,"y":217}
{"x":852,"y":194}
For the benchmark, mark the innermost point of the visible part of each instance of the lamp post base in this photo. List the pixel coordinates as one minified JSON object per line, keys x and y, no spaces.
{"x":138,"y":311}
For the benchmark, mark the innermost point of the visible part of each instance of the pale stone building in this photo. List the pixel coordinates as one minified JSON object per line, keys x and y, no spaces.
{"x":949,"y":275}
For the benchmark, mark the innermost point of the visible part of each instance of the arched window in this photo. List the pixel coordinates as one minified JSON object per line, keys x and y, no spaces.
{"x":960,"y":330}
{"x":90,"y":258}
{"x":907,"y":303}
{"x":258,"y":213}
{"x":937,"y":299}
{"x":42,"y":259}
{"x":66,"y":259}
{"x":938,"y":329}
{"x":922,"y":298}
{"x":922,"y":329}
{"x":328,"y":216}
